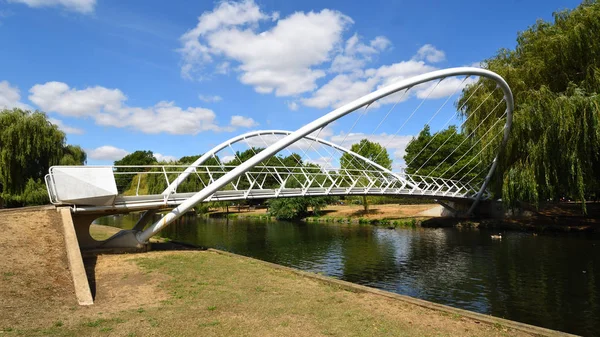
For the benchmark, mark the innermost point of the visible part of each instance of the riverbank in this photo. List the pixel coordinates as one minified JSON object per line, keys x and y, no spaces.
{"x":191,"y":293}
{"x":557,"y":217}
{"x":377,"y":214}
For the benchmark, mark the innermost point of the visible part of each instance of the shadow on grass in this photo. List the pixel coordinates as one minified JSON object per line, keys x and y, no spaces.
{"x":90,"y":258}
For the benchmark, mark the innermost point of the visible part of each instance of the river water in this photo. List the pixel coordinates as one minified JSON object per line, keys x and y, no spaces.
{"x":548,"y":280}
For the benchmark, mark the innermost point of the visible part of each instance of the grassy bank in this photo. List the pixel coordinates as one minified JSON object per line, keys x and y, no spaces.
{"x":388,"y":214}
{"x":190,"y":293}
{"x":203,"y":293}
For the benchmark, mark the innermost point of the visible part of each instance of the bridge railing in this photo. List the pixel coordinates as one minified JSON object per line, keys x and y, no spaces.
{"x":122,"y":182}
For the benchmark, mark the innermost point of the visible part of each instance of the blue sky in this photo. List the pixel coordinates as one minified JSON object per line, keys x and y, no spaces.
{"x":178,"y":77}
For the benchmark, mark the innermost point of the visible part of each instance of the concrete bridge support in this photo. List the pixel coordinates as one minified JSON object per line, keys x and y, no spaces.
{"x":122,"y":239}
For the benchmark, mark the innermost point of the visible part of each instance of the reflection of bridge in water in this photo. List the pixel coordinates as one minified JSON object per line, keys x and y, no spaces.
{"x":318,"y":167}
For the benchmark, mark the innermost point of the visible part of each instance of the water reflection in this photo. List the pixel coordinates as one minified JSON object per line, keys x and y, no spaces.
{"x":546,"y":280}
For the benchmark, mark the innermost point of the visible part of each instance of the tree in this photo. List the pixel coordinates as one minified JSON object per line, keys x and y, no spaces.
{"x":73,"y":155}
{"x":136,"y":158}
{"x":444,"y":154}
{"x":29,"y":146}
{"x":370,"y":150}
{"x":554,"y":73}
{"x":296,"y":208}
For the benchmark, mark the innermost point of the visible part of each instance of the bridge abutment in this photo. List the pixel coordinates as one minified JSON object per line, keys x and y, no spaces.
{"x":125,"y":239}
{"x":82,"y":223}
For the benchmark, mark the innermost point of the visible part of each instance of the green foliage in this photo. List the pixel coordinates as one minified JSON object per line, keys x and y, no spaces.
{"x":136,"y":158}
{"x":73,"y":155}
{"x":296,"y":208}
{"x":370,"y":150}
{"x":446,"y":155}
{"x":155,"y":178}
{"x":35,"y":193}
{"x":554,"y":73}
{"x":29,"y":146}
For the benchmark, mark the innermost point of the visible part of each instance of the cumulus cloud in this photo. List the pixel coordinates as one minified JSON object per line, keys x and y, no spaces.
{"x":163,"y":158}
{"x":227,"y":159}
{"x":341,"y":89}
{"x":210,"y":99}
{"x":108,"y":107}
{"x":324,"y":162}
{"x":353,"y":84}
{"x":447,"y":87}
{"x":289,"y":56}
{"x":10,"y":97}
{"x":282,"y":59}
{"x":356,"y":54}
{"x":345,"y":88}
{"x":292,"y":105}
{"x":431,"y":54}
{"x":106,"y":152}
{"x":58,"y":97}
{"x":81,"y":6}
{"x":65,"y":128}
{"x":241,"y":121}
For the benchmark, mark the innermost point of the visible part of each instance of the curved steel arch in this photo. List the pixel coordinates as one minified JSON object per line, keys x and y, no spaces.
{"x":332,"y":116}
{"x":173,"y":186}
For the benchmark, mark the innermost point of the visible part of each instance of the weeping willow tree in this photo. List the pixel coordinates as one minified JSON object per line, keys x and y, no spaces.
{"x":554,"y":73}
{"x":29,"y":145}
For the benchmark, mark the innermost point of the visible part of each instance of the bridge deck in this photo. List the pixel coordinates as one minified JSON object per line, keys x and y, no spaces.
{"x":158,"y":201}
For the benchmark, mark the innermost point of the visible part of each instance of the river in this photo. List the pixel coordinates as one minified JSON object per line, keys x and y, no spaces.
{"x":549,"y":280}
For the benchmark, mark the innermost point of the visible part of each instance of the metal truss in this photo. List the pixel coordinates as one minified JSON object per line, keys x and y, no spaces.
{"x":268,"y":182}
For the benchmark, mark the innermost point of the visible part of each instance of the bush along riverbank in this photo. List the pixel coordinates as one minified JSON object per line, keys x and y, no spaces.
{"x":389,"y":223}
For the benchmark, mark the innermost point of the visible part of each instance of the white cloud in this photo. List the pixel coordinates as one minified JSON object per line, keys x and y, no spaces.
{"x":287,"y":56}
{"x":223,"y":68}
{"x":107,"y":107}
{"x":10,"y":97}
{"x":66,"y":128}
{"x":282,"y":59}
{"x":58,"y":97}
{"x":431,"y":54}
{"x":162,"y":158}
{"x":356,"y":54}
{"x":345,"y":88}
{"x":292,"y":105}
{"x":107,"y":152}
{"x":241,"y":121}
{"x":445,"y":88}
{"x":324,"y":162}
{"x":340,"y":90}
{"x":81,"y":6}
{"x":227,"y":159}
{"x":210,"y":99}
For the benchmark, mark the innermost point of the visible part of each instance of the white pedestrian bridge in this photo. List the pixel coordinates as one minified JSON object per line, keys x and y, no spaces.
{"x":304,"y":163}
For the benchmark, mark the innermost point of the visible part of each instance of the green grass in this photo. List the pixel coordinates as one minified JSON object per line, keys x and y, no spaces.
{"x":204,"y":293}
